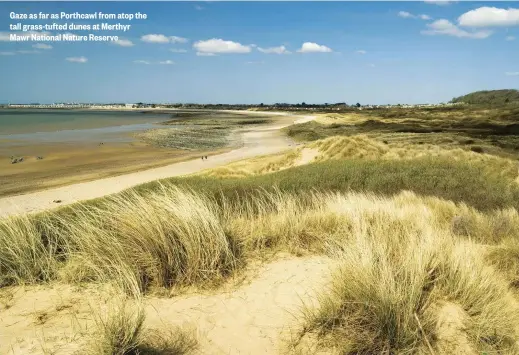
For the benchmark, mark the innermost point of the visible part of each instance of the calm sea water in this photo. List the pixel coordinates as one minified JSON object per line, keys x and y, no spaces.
{"x":56,"y":126}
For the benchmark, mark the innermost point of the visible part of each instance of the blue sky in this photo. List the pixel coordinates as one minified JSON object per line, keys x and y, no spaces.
{"x":236,"y":52}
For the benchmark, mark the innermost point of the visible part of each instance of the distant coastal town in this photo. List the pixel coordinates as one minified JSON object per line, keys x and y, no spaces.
{"x":341,"y":106}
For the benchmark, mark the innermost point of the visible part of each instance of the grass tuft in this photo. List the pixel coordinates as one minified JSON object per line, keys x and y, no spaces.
{"x":397,"y":294}
{"x":121,"y":331}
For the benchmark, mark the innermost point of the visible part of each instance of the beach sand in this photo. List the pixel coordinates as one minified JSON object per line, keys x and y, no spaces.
{"x":80,"y":173}
{"x":65,"y":164}
{"x":256,"y":313}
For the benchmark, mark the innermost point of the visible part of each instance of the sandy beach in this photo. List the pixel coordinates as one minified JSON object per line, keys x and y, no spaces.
{"x":258,"y":141}
{"x":65,"y":164}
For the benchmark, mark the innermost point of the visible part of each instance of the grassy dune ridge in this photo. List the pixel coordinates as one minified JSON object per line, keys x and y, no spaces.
{"x":395,"y":263}
{"x":426,"y":239}
{"x":492,"y":130}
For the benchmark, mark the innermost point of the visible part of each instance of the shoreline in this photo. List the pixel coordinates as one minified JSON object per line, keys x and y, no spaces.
{"x":256,"y":142}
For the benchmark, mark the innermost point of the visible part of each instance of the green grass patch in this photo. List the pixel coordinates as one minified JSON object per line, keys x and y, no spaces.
{"x":471,"y":183}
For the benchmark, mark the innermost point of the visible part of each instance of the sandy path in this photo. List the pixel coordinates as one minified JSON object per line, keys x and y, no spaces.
{"x":266,"y":140}
{"x":307,"y":156}
{"x":254,"y":318}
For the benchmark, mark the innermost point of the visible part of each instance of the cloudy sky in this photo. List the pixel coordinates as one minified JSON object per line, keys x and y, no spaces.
{"x":252,"y":52}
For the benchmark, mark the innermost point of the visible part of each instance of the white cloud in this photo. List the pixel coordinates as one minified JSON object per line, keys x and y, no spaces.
{"x":175,"y":50}
{"x":510,"y":38}
{"x":371,"y":65}
{"x":444,"y":27}
{"x":160,"y":38}
{"x":28,"y":51}
{"x":512,"y":73}
{"x":274,"y":50}
{"x":141,"y":62}
{"x":176,"y":39}
{"x":310,"y":47}
{"x":406,"y":14}
{"x":7,"y":53}
{"x":124,"y":43}
{"x":202,"y":54}
{"x":489,"y":16}
{"x":198,"y":7}
{"x":259,"y":62}
{"x":439,"y":2}
{"x":42,"y":46}
{"x":155,"y":38}
{"x":167,"y":62}
{"x":217,"y":45}
{"x":77,"y":59}
{"x":361,"y":51}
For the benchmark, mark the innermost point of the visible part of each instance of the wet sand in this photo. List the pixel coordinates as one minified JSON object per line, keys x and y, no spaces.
{"x":65,"y":164}
{"x":256,"y":141}
{"x":76,"y":155}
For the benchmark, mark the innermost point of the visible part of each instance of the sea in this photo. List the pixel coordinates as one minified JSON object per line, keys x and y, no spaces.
{"x":19,"y":126}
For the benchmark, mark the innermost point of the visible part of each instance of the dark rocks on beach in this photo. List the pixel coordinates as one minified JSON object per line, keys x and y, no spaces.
{"x":39,"y":157}
{"x":57,"y":201}
{"x":15,"y":160}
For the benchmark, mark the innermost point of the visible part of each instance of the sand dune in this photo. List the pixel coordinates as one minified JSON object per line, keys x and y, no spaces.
{"x":256,"y":317}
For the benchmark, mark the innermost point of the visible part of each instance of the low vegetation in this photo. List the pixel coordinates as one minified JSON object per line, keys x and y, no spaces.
{"x":401,"y":275}
{"x":255,"y":166}
{"x":495,"y":130}
{"x":489,"y":97}
{"x":121,"y":331}
{"x":420,"y":291}
{"x":425,"y":237}
{"x":201,"y":130}
{"x":205,"y":138}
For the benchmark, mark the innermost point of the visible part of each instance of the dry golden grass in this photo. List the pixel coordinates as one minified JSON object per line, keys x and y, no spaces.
{"x":166,"y":238}
{"x":361,"y":146}
{"x":350,"y":118}
{"x":493,"y":131}
{"x":120,"y":330}
{"x":256,"y":166}
{"x":399,"y":270}
{"x":416,"y":273}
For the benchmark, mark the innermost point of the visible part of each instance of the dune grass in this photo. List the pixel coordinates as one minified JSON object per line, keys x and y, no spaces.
{"x":163,"y":234}
{"x":415,"y":272}
{"x":426,"y":240}
{"x":407,"y":283}
{"x":255,"y":166}
{"x":173,"y":236}
{"x":493,"y":130}
{"x":412,"y":293}
{"x":479,"y":184}
{"x":120,"y":330}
